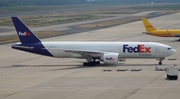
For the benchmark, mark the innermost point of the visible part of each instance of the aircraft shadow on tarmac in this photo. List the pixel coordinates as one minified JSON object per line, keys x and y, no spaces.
{"x":101,"y":65}
{"x":80,"y":66}
{"x":67,"y":67}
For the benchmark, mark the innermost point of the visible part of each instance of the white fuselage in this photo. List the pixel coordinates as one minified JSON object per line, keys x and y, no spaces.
{"x":124,"y":49}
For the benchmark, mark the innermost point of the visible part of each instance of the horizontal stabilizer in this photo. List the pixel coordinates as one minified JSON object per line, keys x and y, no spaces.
{"x":24,"y":47}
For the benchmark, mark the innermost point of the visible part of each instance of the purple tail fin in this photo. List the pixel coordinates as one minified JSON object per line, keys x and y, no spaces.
{"x":26,"y":36}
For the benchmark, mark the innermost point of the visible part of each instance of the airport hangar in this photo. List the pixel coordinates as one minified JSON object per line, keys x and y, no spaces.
{"x":28,"y":76}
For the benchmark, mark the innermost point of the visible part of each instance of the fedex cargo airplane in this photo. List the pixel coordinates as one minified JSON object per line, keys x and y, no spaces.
{"x":93,"y":52}
{"x":151,"y":30}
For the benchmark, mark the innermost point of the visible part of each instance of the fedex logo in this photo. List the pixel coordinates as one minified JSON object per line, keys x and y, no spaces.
{"x":139,"y":49}
{"x":109,"y":58}
{"x":24,"y":34}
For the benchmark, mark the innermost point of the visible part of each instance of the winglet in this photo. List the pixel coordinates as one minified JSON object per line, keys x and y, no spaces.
{"x":26,"y":36}
{"x":148,"y":26}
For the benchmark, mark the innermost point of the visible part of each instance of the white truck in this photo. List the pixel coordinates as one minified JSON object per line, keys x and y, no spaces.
{"x":172,"y":72}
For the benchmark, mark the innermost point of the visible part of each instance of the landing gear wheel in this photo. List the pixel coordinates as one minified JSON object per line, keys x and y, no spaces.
{"x":167,"y":76}
{"x":85,"y":64}
{"x":97,"y":62}
{"x":88,"y":64}
{"x":160,"y":63}
{"x":91,"y":63}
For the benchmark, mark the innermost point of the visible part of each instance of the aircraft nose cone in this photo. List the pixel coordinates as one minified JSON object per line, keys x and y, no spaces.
{"x":172,"y":52}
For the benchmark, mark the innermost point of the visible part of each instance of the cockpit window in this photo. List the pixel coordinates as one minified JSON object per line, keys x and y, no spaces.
{"x":169,"y":48}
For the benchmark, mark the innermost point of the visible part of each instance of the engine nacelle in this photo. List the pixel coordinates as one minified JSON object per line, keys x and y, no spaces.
{"x":110,"y":58}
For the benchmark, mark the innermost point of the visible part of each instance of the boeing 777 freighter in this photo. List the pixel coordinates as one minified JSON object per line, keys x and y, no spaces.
{"x":93,"y":52}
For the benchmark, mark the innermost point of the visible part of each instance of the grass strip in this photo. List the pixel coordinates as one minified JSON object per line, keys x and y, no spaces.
{"x":109,"y":23}
{"x":40,"y":34}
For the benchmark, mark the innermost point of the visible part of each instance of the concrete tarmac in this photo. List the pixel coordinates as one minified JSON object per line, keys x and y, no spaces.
{"x":29,"y":76}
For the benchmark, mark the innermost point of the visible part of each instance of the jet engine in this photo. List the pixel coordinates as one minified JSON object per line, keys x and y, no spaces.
{"x":110,"y":58}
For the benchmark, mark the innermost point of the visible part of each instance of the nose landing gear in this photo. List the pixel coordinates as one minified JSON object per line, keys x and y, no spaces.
{"x":160,"y":61}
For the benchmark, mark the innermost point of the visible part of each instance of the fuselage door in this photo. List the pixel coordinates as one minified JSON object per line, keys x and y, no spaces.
{"x":157,"y":49}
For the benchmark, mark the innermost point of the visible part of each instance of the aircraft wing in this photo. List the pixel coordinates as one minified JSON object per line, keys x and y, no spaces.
{"x":81,"y":52}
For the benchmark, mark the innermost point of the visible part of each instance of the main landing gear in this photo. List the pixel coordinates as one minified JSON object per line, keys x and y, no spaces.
{"x":91,"y":63}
